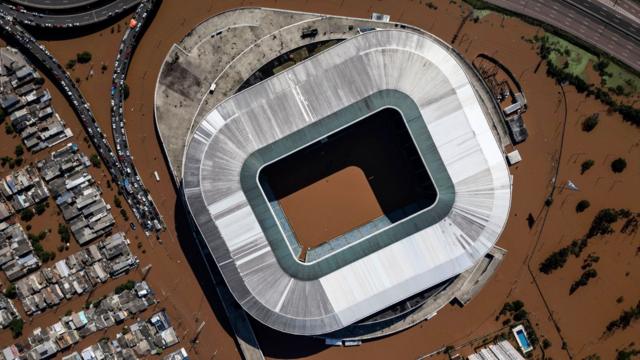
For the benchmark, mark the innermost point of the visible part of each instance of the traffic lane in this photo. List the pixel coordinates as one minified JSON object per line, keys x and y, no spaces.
{"x":54,"y":4}
{"x":569,"y":20}
{"x":45,"y":20}
{"x":81,"y":107}
{"x":608,"y":15}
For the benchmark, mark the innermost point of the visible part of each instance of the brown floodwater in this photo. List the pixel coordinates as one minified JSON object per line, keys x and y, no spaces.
{"x":581,"y":317}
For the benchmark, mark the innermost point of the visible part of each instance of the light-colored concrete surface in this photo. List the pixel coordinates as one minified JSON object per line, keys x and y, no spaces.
{"x":227,"y":49}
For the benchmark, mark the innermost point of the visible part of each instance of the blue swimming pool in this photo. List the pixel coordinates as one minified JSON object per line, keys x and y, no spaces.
{"x":522,"y":339}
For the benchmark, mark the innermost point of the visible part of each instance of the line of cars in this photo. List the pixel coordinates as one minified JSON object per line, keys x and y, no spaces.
{"x":131,"y":181}
{"x":138,"y":198}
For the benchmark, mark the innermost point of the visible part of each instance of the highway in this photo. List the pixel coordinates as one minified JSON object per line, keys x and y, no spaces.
{"x":592,"y":21}
{"x":131,"y":180}
{"x":46,"y":20}
{"x":54,"y":4}
{"x":138,"y":198}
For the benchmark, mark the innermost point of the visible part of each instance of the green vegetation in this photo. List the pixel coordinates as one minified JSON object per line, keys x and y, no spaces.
{"x":40,"y":208}
{"x":590,"y":122}
{"x":631,"y":225}
{"x":8,"y":129}
{"x":26,"y":215}
{"x":124,"y":214}
{"x":583,"y":280}
{"x":116,"y":201}
{"x":625,"y":319}
{"x":70,"y":64}
{"x":566,"y":63}
{"x":63,"y":231}
{"x":95,"y":160}
{"x":586,"y":165}
{"x":627,"y":354}
{"x":19,"y":151}
{"x":11,"y":292}
{"x":16,"y":326}
{"x":515,"y":311}
{"x":618,"y":165}
{"x":600,"y":225}
{"x":6,"y":160}
{"x":582,"y":205}
{"x":546,"y":344}
{"x":40,"y":252}
{"x":129,"y":285}
{"x":83,"y":57}
{"x":556,"y":260}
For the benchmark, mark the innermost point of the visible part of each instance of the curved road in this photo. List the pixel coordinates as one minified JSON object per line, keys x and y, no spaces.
{"x":54,"y":4}
{"x":32,"y":18}
{"x":592,"y":21}
{"x":131,"y":180}
{"x":139,"y":200}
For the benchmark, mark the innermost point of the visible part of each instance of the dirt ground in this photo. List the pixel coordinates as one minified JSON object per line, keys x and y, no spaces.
{"x":578,"y":320}
{"x":331,"y":207}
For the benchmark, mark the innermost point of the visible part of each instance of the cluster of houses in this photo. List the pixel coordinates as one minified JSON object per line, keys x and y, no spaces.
{"x":27,"y":104}
{"x":72,"y":327}
{"x":138,"y":340}
{"x":8,"y":311}
{"x":77,"y":274}
{"x":142,"y":338}
{"x":16,"y":252}
{"x":24,"y":188}
{"x":76,"y":193}
{"x":180,"y":354}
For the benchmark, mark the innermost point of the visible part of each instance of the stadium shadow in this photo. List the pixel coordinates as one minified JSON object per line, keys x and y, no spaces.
{"x":198,"y":264}
{"x":380,"y":145}
{"x":272,"y":342}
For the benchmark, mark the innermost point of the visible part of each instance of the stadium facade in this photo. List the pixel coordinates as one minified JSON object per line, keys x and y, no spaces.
{"x":441,"y":103}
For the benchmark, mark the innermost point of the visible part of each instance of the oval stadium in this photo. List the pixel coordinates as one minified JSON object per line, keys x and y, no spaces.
{"x":346,"y":183}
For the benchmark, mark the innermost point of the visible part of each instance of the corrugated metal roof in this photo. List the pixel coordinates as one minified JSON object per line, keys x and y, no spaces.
{"x":279,"y":291}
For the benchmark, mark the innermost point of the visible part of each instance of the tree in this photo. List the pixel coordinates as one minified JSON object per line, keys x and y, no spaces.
{"x":40,"y":208}
{"x":26,"y":215}
{"x":129,"y":285}
{"x":124,"y":214}
{"x":586,"y":165}
{"x":19,"y":151}
{"x":582,"y":205}
{"x":16,"y":326}
{"x":555,"y":261}
{"x":71,"y":63}
{"x":83,"y":57}
{"x":8,"y":129}
{"x":590,"y":123}
{"x":95,"y":160}
{"x":103,"y":67}
{"x":125,"y":91}
{"x":63,"y":231}
{"x":618,"y":165}
{"x":11,"y":292}
{"x":116,"y":201}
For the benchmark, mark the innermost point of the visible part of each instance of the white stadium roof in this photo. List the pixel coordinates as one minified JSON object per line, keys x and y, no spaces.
{"x":387,"y":68}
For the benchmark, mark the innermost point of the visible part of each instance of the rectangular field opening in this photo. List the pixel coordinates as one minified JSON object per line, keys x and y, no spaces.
{"x":342,"y":184}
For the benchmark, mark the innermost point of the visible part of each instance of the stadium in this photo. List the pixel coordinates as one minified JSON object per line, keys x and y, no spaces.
{"x":349,"y":194}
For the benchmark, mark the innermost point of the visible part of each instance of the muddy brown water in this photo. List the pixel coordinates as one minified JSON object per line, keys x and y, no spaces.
{"x":581,"y":317}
